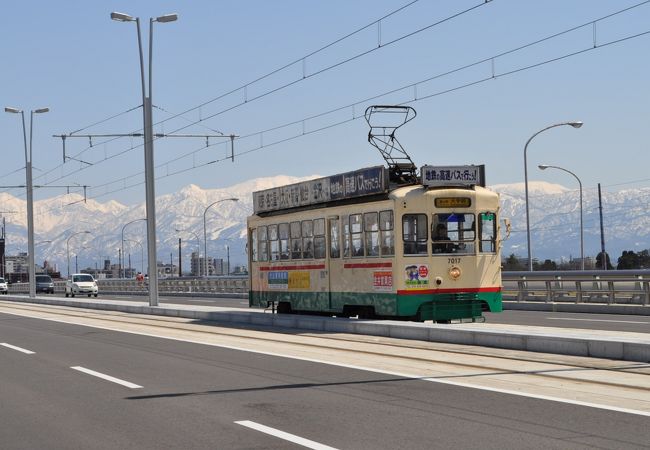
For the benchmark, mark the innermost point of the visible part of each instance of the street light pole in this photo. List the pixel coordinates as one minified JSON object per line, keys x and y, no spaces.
{"x":574,"y":124}
{"x":122,"y":253}
{"x":582,"y":246}
{"x":141,"y":253}
{"x":205,"y":233}
{"x":67,"y":246}
{"x":148,"y":149}
{"x":30,"y":192}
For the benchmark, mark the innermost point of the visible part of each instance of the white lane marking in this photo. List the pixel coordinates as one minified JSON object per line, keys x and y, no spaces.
{"x":201,"y":301}
{"x":366,"y":369}
{"x":284,"y":435}
{"x":106,"y":377}
{"x":13,"y":347}
{"x":597,"y":320}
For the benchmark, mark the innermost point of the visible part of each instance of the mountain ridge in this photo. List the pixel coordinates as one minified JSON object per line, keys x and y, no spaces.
{"x":554,"y":214}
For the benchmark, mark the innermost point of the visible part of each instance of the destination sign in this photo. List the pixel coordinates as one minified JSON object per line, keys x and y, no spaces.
{"x":453,"y":202}
{"x":436,"y":176}
{"x":369,"y":181}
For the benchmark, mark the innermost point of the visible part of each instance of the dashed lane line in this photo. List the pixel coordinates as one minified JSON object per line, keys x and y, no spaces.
{"x":13,"y":347}
{"x":284,"y":435}
{"x":106,"y":377}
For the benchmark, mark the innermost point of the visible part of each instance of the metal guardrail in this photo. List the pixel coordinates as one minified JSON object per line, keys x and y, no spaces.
{"x":187,"y":285}
{"x":605,"y":287}
{"x":595,"y":286}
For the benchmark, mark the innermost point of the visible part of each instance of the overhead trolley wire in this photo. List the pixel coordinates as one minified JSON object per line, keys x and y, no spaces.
{"x":528,"y":67}
{"x":392,"y":91}
{"x":375,"y":22}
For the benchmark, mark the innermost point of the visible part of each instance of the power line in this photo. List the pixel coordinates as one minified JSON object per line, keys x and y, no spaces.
{"x":354,"y":117}
{"x":305,"y":76}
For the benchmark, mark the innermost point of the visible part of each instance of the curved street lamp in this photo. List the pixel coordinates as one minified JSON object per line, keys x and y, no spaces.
{"x":67,"y":246}
{"x":582,"y":246}
{"x":141,"y":253}
{"x":122,"y":257}
{"x":205,"y":233}
{"x":574,"y":124}
{"x":149,"y":177}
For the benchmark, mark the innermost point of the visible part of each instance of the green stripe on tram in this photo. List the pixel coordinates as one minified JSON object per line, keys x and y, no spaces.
{"x":432,"y":306}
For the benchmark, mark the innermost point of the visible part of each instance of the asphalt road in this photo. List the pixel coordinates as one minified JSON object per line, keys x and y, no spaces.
{"x":188,"y":395}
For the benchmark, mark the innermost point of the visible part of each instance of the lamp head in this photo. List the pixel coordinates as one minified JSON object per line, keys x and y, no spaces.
{"x":167,"y":18}
{"x":9,"y":109}
{"x":576,"y":124}
{"x":121,"y":17}
{"x":543,"y":166}
{"x":41,"y":110}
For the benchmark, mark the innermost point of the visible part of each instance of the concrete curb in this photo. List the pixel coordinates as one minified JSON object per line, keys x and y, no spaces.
{"x":589,"y":343}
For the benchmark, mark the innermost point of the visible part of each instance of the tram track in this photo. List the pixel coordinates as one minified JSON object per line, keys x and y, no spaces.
{"x":450,"y":357}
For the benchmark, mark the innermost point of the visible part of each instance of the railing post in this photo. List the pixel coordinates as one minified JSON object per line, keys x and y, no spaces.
{"x":549,"y":291}
{"x":646,"y":291}
{"x":578,"y":291}
{"x":521,"y":284}
{"x":611,"y":297}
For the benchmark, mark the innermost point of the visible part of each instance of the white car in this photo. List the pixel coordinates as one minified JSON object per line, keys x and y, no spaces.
{"x":3,"y":286}
{"x":81,"y":283}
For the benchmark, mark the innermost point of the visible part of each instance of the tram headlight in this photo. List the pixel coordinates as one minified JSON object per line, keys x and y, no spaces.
{"x":454,"y":273}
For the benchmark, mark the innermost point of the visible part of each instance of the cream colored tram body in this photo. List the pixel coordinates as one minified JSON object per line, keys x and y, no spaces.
{"x":378,"y":255}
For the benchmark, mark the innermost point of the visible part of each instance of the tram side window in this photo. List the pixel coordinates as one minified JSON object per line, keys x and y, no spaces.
{"x":319,"y":239}
{"x":296,"y":241}
{"x":371,"y":228}
{"x":453,"y":233}
{"x":274,"y":245}
{"x":307,"y":239}
{"x":263,"y":243}
{"x":283,"y":231}
{"x":253,"y":244}
{"x":335,"y":246}
{"x":356,"y":234}
{"x":345,"y":220}
{"x":386,"y":234}
{"x":487,"y":232}
{"x":415,"y":234}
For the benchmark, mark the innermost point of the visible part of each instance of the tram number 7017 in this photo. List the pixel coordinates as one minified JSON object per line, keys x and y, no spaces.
{"x":453,"y":260}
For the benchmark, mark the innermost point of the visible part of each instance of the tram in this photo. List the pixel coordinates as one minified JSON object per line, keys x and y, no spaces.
{"x":379,"y":243}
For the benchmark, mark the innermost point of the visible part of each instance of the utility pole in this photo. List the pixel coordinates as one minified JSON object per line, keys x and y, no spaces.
{"x":228,"y":248}
{"x":602,"y":232}
{"x":180,"y":270}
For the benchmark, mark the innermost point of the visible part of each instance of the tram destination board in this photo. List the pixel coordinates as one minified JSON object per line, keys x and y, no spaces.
{"x":437,"y":176}
{"x":359,"y":183}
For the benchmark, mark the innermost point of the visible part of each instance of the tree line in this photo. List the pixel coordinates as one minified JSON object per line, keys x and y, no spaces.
{"x":629,"y":259}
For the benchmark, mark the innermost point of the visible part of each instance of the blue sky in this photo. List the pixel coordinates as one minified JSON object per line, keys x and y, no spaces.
{"x":71,"y":57}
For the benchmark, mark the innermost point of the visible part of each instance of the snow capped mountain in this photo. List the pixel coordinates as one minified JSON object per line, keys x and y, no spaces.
{"x":554,"y":217}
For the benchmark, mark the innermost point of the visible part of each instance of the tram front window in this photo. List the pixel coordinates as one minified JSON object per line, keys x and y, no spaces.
{"x":453,"y":233}
{"x":414,"y":234}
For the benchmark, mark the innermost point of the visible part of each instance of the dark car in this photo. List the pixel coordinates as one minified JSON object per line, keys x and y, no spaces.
{"x":44,"y":283}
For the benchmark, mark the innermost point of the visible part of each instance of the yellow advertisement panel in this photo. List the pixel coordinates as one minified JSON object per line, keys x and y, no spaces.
{"x":299,"y":280}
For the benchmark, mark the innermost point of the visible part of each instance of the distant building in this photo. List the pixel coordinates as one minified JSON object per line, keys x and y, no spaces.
{"x":167,"y":270}
{"x":208,"y":266}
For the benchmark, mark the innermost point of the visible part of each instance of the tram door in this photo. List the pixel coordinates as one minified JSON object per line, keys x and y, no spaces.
{"x":334,"y":262}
